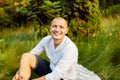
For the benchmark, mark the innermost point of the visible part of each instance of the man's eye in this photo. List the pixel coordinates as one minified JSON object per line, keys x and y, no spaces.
{"x":54,"y":26}
{"x":61,"y":27}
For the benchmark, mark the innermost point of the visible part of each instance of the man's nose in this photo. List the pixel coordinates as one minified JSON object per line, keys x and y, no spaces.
{"x":57,"y":28}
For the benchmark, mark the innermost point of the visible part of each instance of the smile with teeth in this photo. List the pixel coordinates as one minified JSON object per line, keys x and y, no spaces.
{"x":56,"y":33}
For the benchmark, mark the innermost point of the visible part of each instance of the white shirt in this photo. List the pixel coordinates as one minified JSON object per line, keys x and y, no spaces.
{"x":63,"y":58}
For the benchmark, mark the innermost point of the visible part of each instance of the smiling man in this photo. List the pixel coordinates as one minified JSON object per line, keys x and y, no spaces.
{"x":60,"y":50}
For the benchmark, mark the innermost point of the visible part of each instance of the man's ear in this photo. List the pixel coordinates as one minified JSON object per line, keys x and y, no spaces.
{"x":66,"y":31}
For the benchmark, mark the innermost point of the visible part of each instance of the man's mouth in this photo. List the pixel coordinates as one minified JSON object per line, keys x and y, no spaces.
{"x":56,"y":33}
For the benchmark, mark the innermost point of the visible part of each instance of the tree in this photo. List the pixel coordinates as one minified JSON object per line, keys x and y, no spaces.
{"x":86,"y":16}
{"x":106,"y":3}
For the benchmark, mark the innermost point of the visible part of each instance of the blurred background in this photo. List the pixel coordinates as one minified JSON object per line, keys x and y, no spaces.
{"x":94,"y":26}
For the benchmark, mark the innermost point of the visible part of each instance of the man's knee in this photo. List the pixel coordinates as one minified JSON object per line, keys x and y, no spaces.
{"x":28,"y":58}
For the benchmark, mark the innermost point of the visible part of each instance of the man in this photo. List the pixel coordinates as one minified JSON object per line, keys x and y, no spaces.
{"x":61,"y":51}
{"x":63,"y":55}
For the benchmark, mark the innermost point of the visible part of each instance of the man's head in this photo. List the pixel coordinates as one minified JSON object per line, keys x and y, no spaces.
{"x":58,"y":28}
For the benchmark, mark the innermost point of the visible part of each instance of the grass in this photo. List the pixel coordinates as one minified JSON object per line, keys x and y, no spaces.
{"x":13,"y":42}
{"x":100,"y":54}
{"x":111,"y":10}
{"x":11,"y":55}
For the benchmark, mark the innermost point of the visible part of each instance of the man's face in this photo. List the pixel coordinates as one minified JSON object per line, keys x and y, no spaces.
{"x":58,"y":29}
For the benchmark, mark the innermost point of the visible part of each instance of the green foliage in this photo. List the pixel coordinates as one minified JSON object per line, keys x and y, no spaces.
{"x":9,"y":16}
{"x":4,"y":19}
{"x":107,"y":3}
{"x":12,"y":45}
{"x":51,"y":9}
{"x":99,"y":54}
{"x":41,"y":11}
{"x":84,"y":13}
{"x":86,"y":21}
{"x":38,"y":12}
{"x":97,"y":51}
{"x":112,"y":10}
{"x":10,"y":57}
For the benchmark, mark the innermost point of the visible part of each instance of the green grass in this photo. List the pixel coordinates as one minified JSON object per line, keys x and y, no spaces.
{"x":100,"y":54}
{"x":10,"y":55}
{"x":13,"y":42}
{"x":112,"y":10}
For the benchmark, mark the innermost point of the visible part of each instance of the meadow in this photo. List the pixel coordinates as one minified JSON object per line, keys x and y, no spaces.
{"x":101,"y":53}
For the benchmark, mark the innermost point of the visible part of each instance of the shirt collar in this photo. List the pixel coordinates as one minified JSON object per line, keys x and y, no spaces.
{"x":59,"y":46}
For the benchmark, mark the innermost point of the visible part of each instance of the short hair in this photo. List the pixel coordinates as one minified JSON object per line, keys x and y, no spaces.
{"x":59,"y":18}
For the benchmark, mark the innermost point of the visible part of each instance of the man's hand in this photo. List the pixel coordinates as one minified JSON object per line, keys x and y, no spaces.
{"x":17,"y":76}
{"x":40,"y":78}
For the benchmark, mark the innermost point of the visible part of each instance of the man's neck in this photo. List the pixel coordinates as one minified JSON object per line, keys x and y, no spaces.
{"x":57,"y":42}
